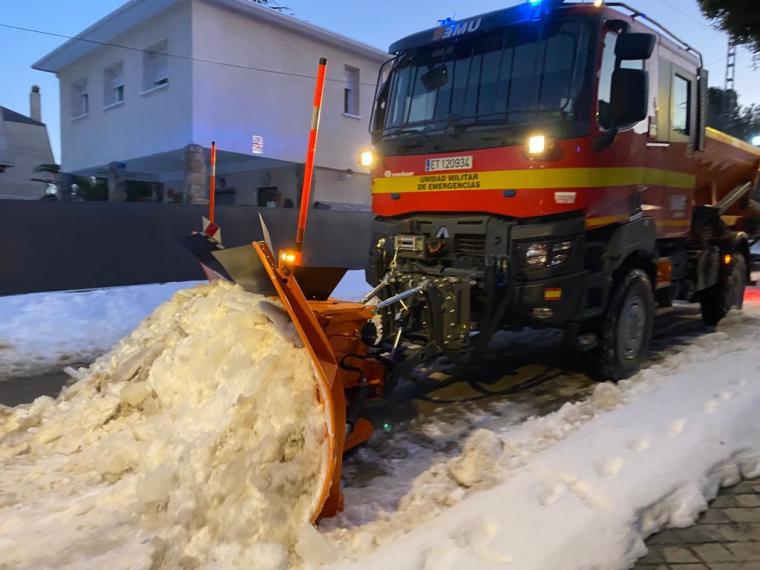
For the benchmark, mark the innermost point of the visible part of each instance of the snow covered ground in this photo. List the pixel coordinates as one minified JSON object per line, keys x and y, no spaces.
{"x":45,"y":332}
{"x":352,"y":287}
{"x":494,"y":483}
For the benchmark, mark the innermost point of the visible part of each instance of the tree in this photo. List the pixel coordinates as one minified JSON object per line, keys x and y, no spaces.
{"x":725,"y":114}
{"x":740,"y":18}
{"x":723,"y":109}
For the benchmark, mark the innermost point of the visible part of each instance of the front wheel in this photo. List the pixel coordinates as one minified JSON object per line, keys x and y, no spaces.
{"x":626,"y":330}
{"x":727,"y":294}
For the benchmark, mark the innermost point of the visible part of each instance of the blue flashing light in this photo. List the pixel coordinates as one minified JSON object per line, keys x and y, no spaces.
{"x":535,"y":2}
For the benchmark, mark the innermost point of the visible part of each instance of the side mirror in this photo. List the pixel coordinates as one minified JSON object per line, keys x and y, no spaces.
{"x":635,"y":46}
{"x":629,"y":100}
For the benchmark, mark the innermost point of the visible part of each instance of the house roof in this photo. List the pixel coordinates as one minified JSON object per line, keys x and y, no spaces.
{"x":11,"y":116}
{"x":134,"y":12}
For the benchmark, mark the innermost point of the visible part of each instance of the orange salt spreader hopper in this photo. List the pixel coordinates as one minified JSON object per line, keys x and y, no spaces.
{"x":331,"y":330}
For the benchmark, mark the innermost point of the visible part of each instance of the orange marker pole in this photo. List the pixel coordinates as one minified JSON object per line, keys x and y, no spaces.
{"x":212,"y":185}
{"x":311,"y":151}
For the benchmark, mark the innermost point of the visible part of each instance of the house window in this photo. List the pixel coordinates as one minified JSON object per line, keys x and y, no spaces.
{"x":80,"y":99}
{"x":156,"y":66}
{"x":681,"y":105}
{"x":113,"y":85}
{"x":351,"y":92}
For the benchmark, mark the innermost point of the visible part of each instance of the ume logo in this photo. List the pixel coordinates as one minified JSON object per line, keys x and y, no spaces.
{"x":457,"y":29}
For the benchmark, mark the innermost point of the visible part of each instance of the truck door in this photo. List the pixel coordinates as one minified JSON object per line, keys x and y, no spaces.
{"x":671,"y":161}
{"x":629,"y":150}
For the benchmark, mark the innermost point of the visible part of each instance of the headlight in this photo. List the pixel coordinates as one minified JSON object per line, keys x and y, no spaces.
{"x":536,"y":145}
{"x":367,"y":158}
{"x":547,"y":254}
{"x":537,"y":254}
{"x":560,"y":253}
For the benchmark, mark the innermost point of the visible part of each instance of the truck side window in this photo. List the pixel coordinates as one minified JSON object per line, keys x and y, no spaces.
{"x":681,"y":105}
{"x":605,"y":79}
{"x":609,"y":64}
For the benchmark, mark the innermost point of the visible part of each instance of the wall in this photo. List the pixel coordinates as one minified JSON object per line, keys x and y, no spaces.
{"x":30,"y":147}
{"x":246,"y":184}
{"x":50,"y":246}
{"x":338,"y":186}
{"x":145,"y":123}
{"x":5,"y":153}
{"x":231,"y":104}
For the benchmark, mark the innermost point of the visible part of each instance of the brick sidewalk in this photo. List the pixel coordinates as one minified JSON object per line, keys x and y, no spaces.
{"x":727,"y":537}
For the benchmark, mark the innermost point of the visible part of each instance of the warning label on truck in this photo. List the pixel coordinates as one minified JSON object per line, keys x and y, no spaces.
{"x":463,"y":181}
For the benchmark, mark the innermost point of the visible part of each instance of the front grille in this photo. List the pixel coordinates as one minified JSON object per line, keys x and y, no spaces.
{"x":470,"y":245}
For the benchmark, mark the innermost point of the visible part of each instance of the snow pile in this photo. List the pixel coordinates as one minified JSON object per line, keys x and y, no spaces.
{"x":198,"y":441}
{"x":582,"y":487}
{"x":44,"y":332}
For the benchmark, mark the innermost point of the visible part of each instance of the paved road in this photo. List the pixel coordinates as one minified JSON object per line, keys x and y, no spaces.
{"x":21,"y":391}
{"x":727,"y":537}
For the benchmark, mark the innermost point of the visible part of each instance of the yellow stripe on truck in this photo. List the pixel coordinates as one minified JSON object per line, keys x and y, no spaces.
{"x":673,"y":223}
{"x":606,"y":220}
{"x":537,"y":179}
{"x":733,"y":141}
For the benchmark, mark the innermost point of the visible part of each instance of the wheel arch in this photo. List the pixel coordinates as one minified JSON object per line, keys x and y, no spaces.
{"x":632,"y":246}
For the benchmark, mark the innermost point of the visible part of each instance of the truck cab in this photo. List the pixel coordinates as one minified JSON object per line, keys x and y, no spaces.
{"x":529,"y":161}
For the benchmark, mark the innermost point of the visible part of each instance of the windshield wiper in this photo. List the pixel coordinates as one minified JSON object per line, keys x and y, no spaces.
{"x":475,"y":121}
{"x":408,"y":132}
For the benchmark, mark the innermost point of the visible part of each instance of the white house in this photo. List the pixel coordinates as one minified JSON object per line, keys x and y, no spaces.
{"x":24,"y":147}
{"x":146,"y":89}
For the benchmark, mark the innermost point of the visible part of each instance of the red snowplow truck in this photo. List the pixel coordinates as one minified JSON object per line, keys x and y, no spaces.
{"x":549,"y":165}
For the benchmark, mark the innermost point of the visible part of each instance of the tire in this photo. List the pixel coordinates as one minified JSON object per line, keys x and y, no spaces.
{"x":626,"y":329}
{"x":728,"y":294}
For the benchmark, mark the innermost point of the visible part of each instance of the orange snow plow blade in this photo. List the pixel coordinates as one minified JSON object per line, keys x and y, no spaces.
{"x":331,"y":331}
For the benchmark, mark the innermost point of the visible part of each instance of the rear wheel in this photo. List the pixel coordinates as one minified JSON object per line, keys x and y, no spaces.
{"x":727,"y":294}
{"x":626,"y":330}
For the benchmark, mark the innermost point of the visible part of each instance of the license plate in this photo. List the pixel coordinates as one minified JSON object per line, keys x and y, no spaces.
{"x":448,"y":163}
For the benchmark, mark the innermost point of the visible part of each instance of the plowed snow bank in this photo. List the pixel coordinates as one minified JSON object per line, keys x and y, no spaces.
{"x":580,"y":488}
{"x":196,"y":442}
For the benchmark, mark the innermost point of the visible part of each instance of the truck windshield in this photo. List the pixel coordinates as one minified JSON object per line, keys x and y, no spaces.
{"x":515,"y":75}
